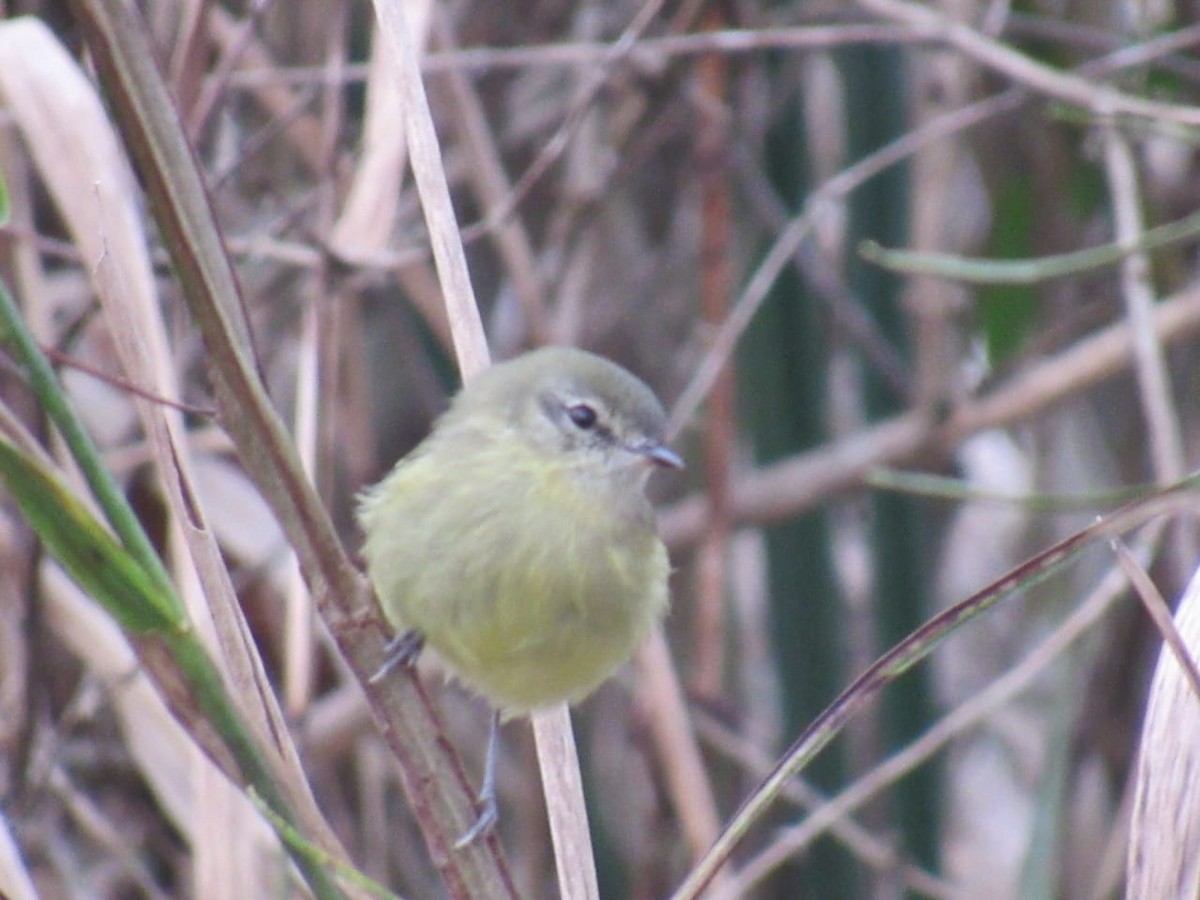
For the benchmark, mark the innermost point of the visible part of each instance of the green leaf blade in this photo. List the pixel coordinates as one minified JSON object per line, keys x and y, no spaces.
{"x":86,"y":549}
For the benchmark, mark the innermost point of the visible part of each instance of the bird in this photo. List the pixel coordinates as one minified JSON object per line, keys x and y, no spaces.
{"x":517,"y":541}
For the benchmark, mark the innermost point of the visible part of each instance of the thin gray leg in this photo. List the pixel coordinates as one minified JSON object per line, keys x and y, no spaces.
{"x":488,"y":813}
{"x":402,"y":650}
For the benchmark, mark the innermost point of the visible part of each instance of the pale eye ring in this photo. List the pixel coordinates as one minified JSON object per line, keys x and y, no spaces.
{"x":582,"y":415}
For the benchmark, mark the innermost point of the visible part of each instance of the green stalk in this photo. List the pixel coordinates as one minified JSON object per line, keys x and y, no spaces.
{"x":1026,"y":271}
{"x":117,"y":511}
{"x":127,"y":577}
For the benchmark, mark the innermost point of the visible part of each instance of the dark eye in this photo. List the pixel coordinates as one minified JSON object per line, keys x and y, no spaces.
{"x":582,"y":415}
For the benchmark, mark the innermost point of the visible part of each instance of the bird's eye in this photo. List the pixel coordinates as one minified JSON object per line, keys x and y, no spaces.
{"x":582,"y":415}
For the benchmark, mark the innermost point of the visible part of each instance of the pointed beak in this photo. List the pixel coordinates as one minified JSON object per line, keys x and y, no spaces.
{"x":661,"y":456}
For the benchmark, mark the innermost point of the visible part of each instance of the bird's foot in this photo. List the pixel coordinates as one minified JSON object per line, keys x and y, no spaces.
{"x":488,"y":812}
{"x":485,"y":822}
{"x":402,"y":650}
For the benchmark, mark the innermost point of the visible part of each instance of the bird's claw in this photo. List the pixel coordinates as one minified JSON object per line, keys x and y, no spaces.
{"x":402,"y":650}
{"x":482,"y":825}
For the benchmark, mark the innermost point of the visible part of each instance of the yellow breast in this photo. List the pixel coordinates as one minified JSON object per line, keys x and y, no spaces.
{"x":531,"y":583}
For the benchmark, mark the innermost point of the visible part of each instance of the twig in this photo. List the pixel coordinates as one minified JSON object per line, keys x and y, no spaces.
{"x":1030,"y":271}
{"x":1154,"y":386}
{"x":1099,"y":98}
{"x":557,"y":145}
{"x":646,"y":51}
{"x":1159,"y":611}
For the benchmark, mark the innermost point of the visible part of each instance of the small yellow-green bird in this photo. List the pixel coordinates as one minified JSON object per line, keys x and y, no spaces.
{"x":517,"y":541}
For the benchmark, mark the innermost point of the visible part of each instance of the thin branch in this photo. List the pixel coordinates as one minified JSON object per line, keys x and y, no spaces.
{"x":1101,"y":99}
{"x":1150,"y":365}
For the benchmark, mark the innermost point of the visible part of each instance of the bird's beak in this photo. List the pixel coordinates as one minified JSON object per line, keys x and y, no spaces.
{"x":661,"y":456}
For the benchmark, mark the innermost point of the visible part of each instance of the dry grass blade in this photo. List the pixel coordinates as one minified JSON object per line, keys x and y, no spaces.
{"x":563,"y":789}
{"x":93,"y":188}
{"x":368,"y":216}
{"x":166,"y":754}
{"x":491,"y":185}
{"x":466,"y":327}
{"x":691,"y":789}
{"x":1164,"y":842}
{"x":15,"y":882}
{"x":1160,"y":612}
{"x":90,"y":181}
{"x":365,"y":225}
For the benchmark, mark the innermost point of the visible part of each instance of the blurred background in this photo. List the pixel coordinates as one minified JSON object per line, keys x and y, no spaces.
{"x":684,"y":187}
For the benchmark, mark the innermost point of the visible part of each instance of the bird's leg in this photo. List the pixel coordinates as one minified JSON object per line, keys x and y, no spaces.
{"x":488,"y":813}
{"x":402,"y":650}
